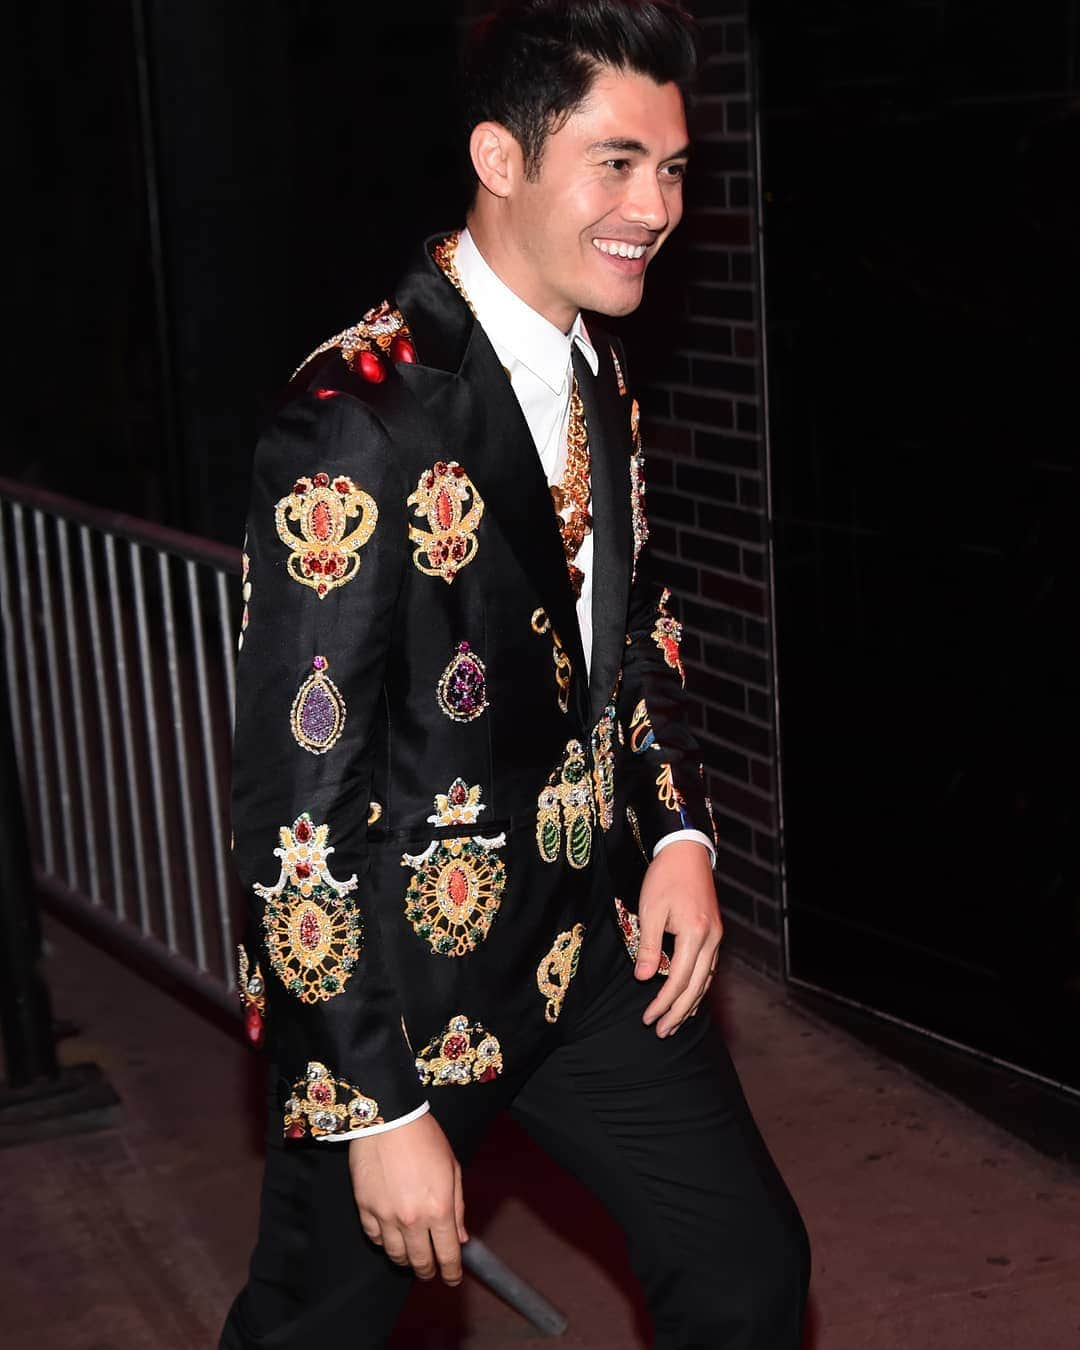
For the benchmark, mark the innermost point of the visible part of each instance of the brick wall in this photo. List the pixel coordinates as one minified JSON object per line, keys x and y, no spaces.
{"x":703,"y":421}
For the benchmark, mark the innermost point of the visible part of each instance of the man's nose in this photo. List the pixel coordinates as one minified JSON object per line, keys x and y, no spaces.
{"x":646,"y":204}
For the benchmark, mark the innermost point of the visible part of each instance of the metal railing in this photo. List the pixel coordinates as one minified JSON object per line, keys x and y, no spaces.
{"x":120,"y":666}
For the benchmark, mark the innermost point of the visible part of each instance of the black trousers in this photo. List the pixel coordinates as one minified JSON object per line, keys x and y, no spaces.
{"x":658,"y":1129}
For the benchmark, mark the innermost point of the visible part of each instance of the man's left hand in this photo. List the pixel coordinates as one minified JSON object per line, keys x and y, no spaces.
{"x":678,"y":896}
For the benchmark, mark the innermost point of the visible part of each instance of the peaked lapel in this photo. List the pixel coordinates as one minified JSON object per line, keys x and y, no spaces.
{"x":464,"y":390}
{"x":607,"y":416}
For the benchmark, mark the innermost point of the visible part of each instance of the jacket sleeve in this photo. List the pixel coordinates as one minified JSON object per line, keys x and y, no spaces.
{"x":666,"y":790}
{"x":323,"y":567}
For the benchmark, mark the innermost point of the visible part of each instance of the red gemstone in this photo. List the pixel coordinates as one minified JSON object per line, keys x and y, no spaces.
{"x":455,"y":1046}
{"x":322,"y":523}
{"x":457,"y":794}
{"x":401,"y":349}
{"x":320,"y":589}
{"x":253,"y":1025}
{"x":319,"y":1092}
{"x":303,"y":870}
{"x":342,"y":485}
{"x":303,"y":830}
{"x":326,"y":393}
{"x":321,"y":479}
{"x":299,"y":489}
{"x":444,"y":509}
{"x":457,"y":884}
{"x":440,"y":469}
{"x":310,"y":931}
{"x":372,"y":368}
{"x":457,"y":471}
{"x":457,"y":548}
{"x":295,"y":1131}
{"x":488,"y":1074}
{"x":312,"y":563}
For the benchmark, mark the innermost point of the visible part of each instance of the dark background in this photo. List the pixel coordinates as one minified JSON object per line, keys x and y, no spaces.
{"x":868,"y":319}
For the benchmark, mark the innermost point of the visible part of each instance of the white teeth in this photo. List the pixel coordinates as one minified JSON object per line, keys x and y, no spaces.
{"x":616,"y":249}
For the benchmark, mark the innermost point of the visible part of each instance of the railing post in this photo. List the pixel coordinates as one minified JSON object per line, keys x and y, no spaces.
{"x":39,"y":1099}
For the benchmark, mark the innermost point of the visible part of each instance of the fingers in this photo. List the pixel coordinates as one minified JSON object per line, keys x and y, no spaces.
{"x":687,"y":950}
{"x":459,"y":1207}
{"x":650,"y":935}
{"x":444,"y":1239}
{"x":420,"y":1252}
{"x":687,"y":1002}
{"x":393,"y":1243}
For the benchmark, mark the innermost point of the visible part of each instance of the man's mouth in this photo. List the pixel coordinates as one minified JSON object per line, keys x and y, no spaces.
{"x":619,"y":248}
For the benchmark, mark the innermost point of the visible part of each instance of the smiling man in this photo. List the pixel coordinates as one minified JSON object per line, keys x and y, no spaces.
{"x":468,"y":811}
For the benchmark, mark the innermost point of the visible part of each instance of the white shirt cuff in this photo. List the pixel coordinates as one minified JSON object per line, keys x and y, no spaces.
{"x":422,"y":1109}
{"x":696,"y":835}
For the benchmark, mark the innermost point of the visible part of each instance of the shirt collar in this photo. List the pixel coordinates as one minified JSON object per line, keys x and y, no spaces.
{"x":514,"y":326}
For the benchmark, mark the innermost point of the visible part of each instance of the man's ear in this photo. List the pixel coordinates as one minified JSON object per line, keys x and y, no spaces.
{"x":496,"y":157}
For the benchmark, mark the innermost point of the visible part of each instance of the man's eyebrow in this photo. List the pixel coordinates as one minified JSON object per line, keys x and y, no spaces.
{"x":627,"y":145}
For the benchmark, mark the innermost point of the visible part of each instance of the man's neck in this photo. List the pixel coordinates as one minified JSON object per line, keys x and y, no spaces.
{"x":515,"y":271}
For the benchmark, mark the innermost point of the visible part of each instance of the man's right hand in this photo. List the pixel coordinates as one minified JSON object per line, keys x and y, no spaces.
{"x":407,"y":1184}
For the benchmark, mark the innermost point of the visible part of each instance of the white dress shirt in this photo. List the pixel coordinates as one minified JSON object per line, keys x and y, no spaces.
{"x":537,"y":357}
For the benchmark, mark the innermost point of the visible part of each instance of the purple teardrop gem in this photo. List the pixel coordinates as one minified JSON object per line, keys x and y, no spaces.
{"x":318,"y":716}
{"x":467,"y":687}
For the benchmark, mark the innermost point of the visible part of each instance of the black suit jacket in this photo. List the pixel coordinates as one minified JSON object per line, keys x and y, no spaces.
{"x":432,"y":800}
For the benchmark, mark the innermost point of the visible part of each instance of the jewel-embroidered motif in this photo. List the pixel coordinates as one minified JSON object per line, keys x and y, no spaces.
{"x":374,"y":812}
{"x":563,"y":669}
{"x":572,"y":496}
{"x":252,"y":990}
{"x":452,"y":506}
{"x":638,"y":513}
{"x":618,"y":373}
{"x":459,"y":805}
{"x":311,"y":921}
{"x":463,"y":1053}
{"x":603,"y":754}
{"x":326,"y":553}
{"x":642,"y":737}
{"x":462,"y":689}
{"x":558,"y":968}
{"x":668,"y":794}
{"x":630,"y":926}
{"x":667,"y":634}
{"x":245,"y":594}
{"x":327,"y":1105}
{"x":381,"y":332}
{"x":454,"y":892}
{"x":318,"y":712}
{"x":565,"y":806}
{"x":635,"y":830}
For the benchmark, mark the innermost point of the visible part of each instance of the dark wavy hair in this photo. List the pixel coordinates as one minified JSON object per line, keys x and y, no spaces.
{"x":531,"y":64}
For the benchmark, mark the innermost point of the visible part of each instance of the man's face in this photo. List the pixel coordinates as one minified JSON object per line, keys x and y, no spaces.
{"x":608,"y":194}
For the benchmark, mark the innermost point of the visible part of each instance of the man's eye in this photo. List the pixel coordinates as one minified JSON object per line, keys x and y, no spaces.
{"x":616,"y":164}
{"x":675,"y":170}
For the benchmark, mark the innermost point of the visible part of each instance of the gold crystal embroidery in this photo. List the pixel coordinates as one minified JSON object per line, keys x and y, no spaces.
{"x":563,"y":669}
{"x":642,"y":737}
{"x":558,"y":968}
{"x":603,"y":752}
{"x":311,"y":921}
{"x":630,"y":926}
{"x":382,"y":329}
{"x":327,"y":1105}
{"x":462,"y":1053}
{"x":454,"y":892}
{"x":667,"y":634}
{"x":565,"y":805}
{"x":666,"y":791}
{"x":637,"y":487}
{"x":252,"y":990}
{"x":618,"y":372}
{"x":635,"y":830}
{"x":325,"y":556}
{"x":450,"y":543}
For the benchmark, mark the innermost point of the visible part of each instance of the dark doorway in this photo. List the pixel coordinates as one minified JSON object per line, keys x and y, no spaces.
{"x":921,"y":273}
